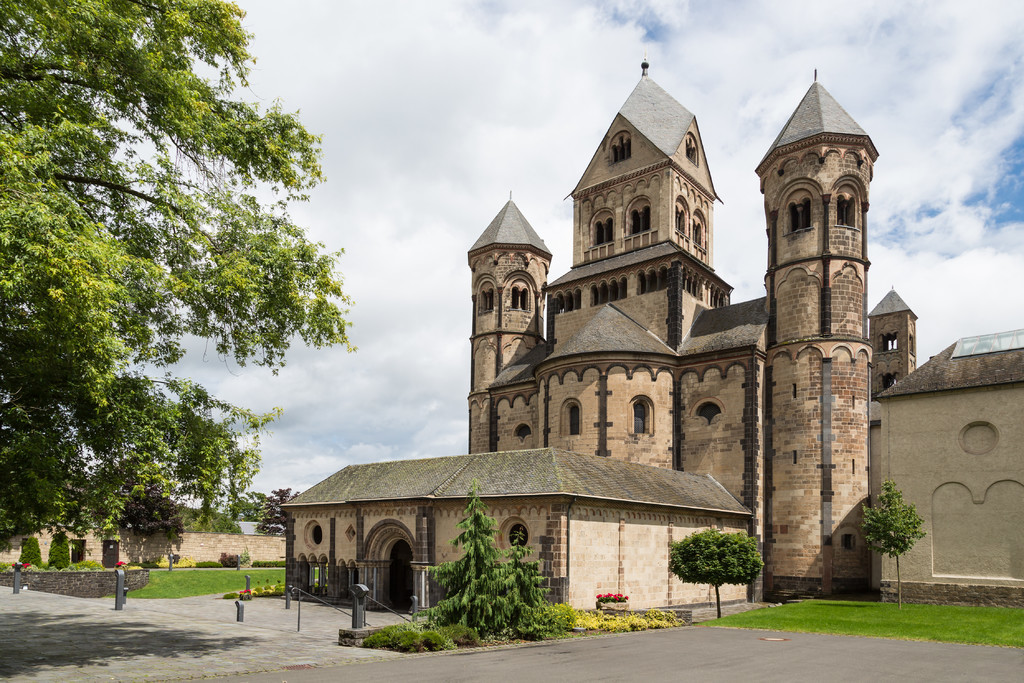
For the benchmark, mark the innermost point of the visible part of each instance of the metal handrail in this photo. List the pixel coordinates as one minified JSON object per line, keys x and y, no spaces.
{"x":388,"y":608}
{"x":298,"y":592}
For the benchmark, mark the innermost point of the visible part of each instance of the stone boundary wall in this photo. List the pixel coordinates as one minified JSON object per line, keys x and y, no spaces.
{"x":77,"y":584}
{"x":200,"y":546}
{"x":968,"y":595}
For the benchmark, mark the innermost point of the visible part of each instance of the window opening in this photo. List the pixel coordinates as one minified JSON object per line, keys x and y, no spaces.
{"x":844,"y":212}
{"x":518,"y":535}
{"x":523,"y":431}
{"x":691,"y":150}
{"x":800,"y":215}
{"x":639,"y":418}
{"x":708,"y":411}
{"x":574,"y":420}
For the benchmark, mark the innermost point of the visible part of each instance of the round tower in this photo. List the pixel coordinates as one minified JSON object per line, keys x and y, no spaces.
{"x":510,"y":264}
{"x":815,"y":180}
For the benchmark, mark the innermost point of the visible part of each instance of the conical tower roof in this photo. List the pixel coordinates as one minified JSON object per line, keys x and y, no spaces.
{"x":818,"y":112}
{"x":890,"y":303}
{"x":510,"y":227}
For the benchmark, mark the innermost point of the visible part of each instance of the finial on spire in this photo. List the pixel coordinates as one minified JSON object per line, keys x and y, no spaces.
{"x":644,"y":65}
{"x":815,"y":75}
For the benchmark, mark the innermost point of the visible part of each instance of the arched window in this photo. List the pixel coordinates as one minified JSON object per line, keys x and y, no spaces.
{"x":641,"y":283}
{"x":577,"y":299}
{"x":691,"y":149}
{"x":487,"y":301}
{"x":621,"y":148}
{"x":681,"y":221}
{"x":559,"y":304}
{"x":574,"y":420}
{"x":800,"y":215}
{"x":640,"y":417}
{"x":635,"y":222}
{"x":888,"y":380}
{"x":890,"y":342}
{"x":594,"y":297}
{"x":515,"y":298}
{"x":522,"y":432}
{"x":698,"y":232}
{"x":613,"y":291}
{"x":518,"y":535}
{"x":708,"y":411}
{"x":603,"y":232}
{"x":844,"y":211}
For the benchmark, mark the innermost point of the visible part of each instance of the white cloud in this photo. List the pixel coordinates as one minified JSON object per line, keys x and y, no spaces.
{"x":432,"y":112}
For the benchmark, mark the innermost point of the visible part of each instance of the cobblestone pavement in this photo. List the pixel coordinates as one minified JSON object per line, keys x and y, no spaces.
{"x":53,"y":637}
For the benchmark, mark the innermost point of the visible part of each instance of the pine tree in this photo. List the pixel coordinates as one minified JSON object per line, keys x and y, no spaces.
{"x":892,"y":527}
{"x":474,"y":581}
{"x":60,"y":552}
{"x":30,"y":552}
{"x":522,"y":589}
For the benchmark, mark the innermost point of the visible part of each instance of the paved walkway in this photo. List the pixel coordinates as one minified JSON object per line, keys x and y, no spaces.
{"x":53,"y":637}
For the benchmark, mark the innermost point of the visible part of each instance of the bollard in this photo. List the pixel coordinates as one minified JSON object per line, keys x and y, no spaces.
{"x":247,"y":587}
{"x":121,"y":592}
{"x":415,"y":607}
{"x":288,"y":598}
{"x":17,"y":577}
{"x":170,"y":562}
{"x":359,"y":592}
{"x":240,"y":610}
{"x":298,"y":620}
{"x":238,"y":563}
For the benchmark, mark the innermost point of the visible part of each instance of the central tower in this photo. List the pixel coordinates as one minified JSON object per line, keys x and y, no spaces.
{"x":815,"y":180}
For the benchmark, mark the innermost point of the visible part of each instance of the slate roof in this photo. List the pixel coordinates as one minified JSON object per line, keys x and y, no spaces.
{"x":522,"y":369}
{"x":510,"y":227}
{"x":728,"y":327}
{"x":530,"y":472}
{"x":630,"y":258}
{"x":890,"y":303}
{"x":657,"y":115}
{"x":612,"y":331}
{"x":942,"y":372}
{"x":818,"y":112}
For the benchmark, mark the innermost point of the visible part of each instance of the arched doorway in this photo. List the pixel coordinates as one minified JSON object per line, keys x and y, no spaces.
{"x":400,"y":584}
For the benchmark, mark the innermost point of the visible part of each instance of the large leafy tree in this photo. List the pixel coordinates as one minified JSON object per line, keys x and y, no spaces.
{"x":274,"y":520}
{"x":892,"y":527}
{"x":716,"y":558}
{"x":142,"y":205}
{"x":148,"y":510}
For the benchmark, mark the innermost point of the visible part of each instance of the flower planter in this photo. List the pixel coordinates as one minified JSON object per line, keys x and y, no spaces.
{"x":613,"y":606}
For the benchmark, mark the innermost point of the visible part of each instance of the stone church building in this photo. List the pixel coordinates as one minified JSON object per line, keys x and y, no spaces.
{"x":630,"y":401}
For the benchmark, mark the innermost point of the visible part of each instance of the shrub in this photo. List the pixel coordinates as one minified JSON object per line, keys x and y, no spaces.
{"x":434,"y":641}
{"x":60,"y":552}
{"x":228,"y":560}
{"x":387,"y":637}
{"x":269,"y":563}
{"x":246,"y":558}
{"x":150,"y":565}
{"x":208,"y":565}
{"x":628,"y":622}
{"x":87,"y":564}
{"x":548,"y":621}
{"x":461,"y":635}
{"x":30,"y":552}
{"x":231,"y":596}
{"x":183,"y":562}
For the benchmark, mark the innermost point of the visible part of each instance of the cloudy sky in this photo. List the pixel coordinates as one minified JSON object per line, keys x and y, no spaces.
{"x":432,"y":112}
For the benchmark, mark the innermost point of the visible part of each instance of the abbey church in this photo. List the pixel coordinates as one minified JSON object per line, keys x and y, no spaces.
{"x":630,"y":401}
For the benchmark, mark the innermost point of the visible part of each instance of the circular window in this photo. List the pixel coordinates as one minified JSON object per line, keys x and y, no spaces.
{"x":978,"y":438}
{"x":314,"y":533}
{"x":518,"y":535}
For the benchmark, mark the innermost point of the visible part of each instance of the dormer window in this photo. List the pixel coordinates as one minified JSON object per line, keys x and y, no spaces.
{"x":621,"y":148}
{"x":691,"y":150}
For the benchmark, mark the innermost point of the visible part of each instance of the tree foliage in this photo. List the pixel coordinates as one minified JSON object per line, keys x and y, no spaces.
{"x":274,"y":521}
{"x":212,"y":521}
{"x":716,"y":558}
{"x":892,"y":527}
{"x":148,"y":510}
{"x":141,"y":206}
{"x":60,"y":552}
{"x":483,"y":592}
{"x":30,"y":553}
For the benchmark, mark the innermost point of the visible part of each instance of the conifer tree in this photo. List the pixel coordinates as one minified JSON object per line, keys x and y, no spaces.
{"x":892,"y":527}
{"x":30,"y":552}
{"x":522,"y":586}
{"x":60,"y":552}
{"x":474,"y":581}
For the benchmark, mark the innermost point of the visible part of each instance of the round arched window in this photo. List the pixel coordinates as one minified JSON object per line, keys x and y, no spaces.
{"x":708,"y":411}
{"x":518,"y":535}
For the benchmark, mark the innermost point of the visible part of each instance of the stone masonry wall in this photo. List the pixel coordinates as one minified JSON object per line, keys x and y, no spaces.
{"x":77,"y":584}
{"x":955,"y":594}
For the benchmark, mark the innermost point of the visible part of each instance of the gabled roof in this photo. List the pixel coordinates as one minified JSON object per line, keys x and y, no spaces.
{"x":611,"y":331}
{"x":510,"y":227}
{"x":515,"y":473}
{"x":818,"y":112}
{"x":890,"y":303}
{"x":943,"y":372}
{"x":657,"y":115}
{"x":728,"y":327}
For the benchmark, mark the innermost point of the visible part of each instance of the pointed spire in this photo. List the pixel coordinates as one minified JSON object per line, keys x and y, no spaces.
{"x":891,"y":303}
{"x":510,"y":227}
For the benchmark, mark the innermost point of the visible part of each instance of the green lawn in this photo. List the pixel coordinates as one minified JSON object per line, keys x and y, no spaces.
{"x":183,"y":583}
{"x":978,"y":625}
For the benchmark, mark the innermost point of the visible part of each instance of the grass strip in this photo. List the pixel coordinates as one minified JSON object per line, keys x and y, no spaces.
{"x":184,"y":583}
{"x":1002,"y":626}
